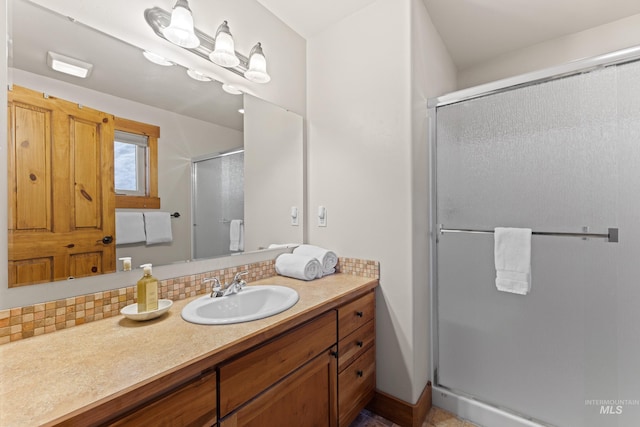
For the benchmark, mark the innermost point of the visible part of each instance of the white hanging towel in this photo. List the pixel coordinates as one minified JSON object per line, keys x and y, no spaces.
{"x":236,"y":235}
{"x":301,"y":267}
{"x":512,"y":254}
{"x":129,"y":228}
{"x":328,"y":259}
{"x":158,"y":227}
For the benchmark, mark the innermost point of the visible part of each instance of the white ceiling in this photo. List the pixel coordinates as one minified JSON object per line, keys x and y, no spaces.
{"x":473,"y":30}
{"x":309,"y":17}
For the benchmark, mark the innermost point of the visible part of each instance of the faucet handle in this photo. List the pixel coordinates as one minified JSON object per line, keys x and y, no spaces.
{"x":215,"y":280}
{"x":237,"y":277}
{"x":216,"y":288}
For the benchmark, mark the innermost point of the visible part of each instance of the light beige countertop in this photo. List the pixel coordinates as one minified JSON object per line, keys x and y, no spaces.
{"x":45,"y":378}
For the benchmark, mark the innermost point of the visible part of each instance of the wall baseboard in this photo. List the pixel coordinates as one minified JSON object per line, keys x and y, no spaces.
{"x":399,"y":411}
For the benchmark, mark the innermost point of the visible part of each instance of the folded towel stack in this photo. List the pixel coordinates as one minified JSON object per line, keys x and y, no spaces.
{"x":512,"y":257}
{"x":328,"y":259}
{"x":129,"y":228}
{"x":298,"y":266}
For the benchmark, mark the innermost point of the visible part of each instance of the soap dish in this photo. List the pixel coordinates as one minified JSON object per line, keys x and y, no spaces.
{"x":131,"y":311}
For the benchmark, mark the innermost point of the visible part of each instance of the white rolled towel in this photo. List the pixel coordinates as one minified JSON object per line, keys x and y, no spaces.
{"x":328,"y":259}
{"x":298,"y":266}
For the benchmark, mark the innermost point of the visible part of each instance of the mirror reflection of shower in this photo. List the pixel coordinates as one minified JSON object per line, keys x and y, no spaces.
{"x":218,"y":204}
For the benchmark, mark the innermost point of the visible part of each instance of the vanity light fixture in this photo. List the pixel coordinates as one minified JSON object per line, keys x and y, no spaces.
{"x":197,"y":75}
{"x":68,"y":65}
{"x":157,"y":59}
{"x":180,"y":31}
{"x":257,"y":71}
{"x":224,"y":53}
{"x":219,"y":49}
{"x":231,"y":89}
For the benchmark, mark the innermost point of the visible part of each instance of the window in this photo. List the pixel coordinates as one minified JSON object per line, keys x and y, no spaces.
{"x":136,"y":164}
{"x":130,"y":163}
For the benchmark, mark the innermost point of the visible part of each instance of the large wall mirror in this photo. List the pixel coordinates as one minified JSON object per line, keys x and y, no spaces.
{"x":197,"y":120}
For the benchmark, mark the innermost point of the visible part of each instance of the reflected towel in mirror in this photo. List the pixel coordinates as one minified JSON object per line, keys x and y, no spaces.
{"x":236,"y":235}
{"x":129,"y":228}
{"x":158,"y":227}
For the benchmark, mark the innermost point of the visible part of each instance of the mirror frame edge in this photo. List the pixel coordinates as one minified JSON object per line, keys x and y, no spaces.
{"x":4,"y":80}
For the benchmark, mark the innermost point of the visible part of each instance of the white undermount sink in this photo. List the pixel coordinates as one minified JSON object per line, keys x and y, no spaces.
{"x":251,"y":303}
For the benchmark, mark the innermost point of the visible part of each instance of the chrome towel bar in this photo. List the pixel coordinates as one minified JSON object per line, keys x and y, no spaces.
{"x":611,"y":235}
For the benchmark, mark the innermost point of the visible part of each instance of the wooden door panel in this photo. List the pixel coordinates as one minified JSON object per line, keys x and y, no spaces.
{"x":85,"y":264}
{"x":36,"y":270}
{"x":85,"y":141}
{"x":31,"y":204}
{"x":63,"y":202}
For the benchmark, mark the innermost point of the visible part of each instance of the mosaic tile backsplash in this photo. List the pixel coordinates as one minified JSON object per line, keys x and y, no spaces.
{"x":25,"y":322}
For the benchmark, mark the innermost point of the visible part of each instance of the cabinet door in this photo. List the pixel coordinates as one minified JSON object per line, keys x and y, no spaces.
{"x":191,"y":405}
{"x":308,"y":397}
{"x":61,"y":198}
{"x":248,"y":375}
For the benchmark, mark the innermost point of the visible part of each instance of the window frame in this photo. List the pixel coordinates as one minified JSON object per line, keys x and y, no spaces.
{"x":151,"y":200}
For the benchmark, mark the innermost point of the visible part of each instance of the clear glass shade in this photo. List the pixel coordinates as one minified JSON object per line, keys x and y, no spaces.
{"x":257,"y":71}
{"x":224,"y":53}
{"x":180,"y":31}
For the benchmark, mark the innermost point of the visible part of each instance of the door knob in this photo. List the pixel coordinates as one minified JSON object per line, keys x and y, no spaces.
{"x":106,"y":240}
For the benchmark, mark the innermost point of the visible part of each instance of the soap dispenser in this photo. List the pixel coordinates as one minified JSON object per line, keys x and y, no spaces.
{"x":147,"y":291}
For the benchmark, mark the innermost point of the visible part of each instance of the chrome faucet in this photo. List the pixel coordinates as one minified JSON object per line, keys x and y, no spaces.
{"x":237,"y":284}
{"x":220,"y":290}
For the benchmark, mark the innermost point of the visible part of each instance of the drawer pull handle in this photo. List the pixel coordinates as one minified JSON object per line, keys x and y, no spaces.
{"x":359,"y":313}
{"x":334,"y":353}
{"x":359,"y":373}
{"x":359,"y":343}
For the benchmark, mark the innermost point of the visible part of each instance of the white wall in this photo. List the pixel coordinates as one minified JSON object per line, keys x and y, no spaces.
{"x":273,"y":178}
{"x":361,"y":134}
{"x":585,"y":44}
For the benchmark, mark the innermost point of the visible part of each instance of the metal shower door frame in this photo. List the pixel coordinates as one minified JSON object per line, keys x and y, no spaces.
{"x":536,"y":77}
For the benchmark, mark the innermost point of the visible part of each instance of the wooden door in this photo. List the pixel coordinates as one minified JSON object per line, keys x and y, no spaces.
{"x":307,"y":397}
{"x":61,"y":193}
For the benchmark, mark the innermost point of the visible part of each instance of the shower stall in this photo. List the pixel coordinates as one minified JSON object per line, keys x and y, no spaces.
{"x":558,"y":152}
{"x":217,"y":199}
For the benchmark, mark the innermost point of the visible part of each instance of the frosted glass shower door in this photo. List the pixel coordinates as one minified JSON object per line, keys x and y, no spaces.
{"x":218,"y":197}
{"x":554,"y":157}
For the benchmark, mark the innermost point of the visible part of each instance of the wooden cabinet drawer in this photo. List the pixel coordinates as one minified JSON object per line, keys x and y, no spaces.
{"x":354,"y":344}
{"x":193,"y":404}
{"x":356,"y":386}
{"x":353,"y":315}
{"x":248,"y":375}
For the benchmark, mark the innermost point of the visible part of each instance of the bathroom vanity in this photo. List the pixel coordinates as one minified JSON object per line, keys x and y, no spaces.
{"x":314,"y":363}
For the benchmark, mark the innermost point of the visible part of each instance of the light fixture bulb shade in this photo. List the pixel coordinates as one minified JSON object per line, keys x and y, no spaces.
{"x":257,"y":71}
{"x":197,"y":75}
{"x":180,"y":30}
{"x":224,"y":53}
